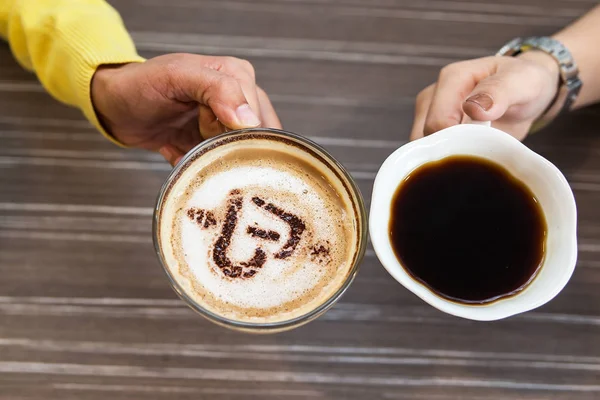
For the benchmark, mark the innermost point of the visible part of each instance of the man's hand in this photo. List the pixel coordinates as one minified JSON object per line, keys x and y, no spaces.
{"x":171,"y":103}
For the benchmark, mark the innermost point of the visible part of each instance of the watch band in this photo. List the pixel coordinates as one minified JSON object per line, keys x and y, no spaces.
{"x":570,"y":84}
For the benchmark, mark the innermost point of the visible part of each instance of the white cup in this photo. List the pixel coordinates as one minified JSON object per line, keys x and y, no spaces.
{"x":546,"y":182}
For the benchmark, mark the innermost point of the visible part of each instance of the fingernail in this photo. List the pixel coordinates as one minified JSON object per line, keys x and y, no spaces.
{"x":482,"y":100}
{"x":246,"y":116}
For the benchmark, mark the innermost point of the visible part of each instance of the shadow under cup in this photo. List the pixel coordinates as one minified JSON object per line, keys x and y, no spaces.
{"x":314,"y":152}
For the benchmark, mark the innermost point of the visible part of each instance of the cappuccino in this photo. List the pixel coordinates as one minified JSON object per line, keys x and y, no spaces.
{"x":257,"y":228}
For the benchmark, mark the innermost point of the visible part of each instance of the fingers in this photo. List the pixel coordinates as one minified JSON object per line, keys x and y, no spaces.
{"x":227,"y":92}
{"x":209,"y":124}
{"x":257,"y":97}
{"x":421,"y":108}
{"x":267,"y":112}
{"x":512,"y":92}
{"x":223,"y":87}
{"x":491,"y":98}
{"x":519,"y":130}
{"x":455,"y":82}
{"x":222,"y":92}
{"x":171,"y":154}
{"x":188,"y":136}
{"x":244,"y":73}
{"x":225,"y":97}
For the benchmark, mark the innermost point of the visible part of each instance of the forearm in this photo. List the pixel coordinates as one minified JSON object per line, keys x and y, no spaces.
{"x":581,"y":38}
{"x":64,"y":42}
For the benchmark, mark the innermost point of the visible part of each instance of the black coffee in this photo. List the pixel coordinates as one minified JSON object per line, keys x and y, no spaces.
{"x":467,"y":229}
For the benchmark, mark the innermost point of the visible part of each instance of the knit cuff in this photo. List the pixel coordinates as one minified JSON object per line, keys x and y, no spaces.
{"x":84,"y":85}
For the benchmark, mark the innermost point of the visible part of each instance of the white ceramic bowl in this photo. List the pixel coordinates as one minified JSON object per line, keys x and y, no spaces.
{"x":542,"y":177}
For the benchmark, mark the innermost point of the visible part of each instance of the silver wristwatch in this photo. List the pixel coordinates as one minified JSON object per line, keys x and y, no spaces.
{"x":570,"y":84}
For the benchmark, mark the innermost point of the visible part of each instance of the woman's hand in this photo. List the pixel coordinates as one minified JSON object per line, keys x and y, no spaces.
{"x":171,"y":103}
{"x":510,"y":91}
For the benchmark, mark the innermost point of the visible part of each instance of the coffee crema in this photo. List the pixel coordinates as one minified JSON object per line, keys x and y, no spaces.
{"x":258,"y":229}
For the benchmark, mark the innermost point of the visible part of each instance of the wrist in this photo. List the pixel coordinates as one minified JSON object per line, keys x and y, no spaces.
{"x":569,"y":84}
{"x":551,"y":67}
{"x":545,"y":61}
{"x":102,"y":93}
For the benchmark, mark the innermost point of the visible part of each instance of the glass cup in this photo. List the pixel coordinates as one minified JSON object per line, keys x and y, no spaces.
{"x":320,"y":154}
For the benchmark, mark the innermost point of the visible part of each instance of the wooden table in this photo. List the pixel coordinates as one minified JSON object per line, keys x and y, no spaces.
{"x":86,"y":311}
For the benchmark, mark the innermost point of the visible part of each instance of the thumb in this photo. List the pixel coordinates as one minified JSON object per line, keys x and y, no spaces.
{"x":222,"y":93}
{"x":494,"y":95}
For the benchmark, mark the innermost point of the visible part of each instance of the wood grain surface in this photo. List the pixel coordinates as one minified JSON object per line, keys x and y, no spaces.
{"x":86,"y":311}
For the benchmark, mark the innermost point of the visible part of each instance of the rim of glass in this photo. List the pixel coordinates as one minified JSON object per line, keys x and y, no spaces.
{"x":278,"y":325}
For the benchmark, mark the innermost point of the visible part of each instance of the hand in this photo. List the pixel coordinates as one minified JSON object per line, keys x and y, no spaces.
{"x":510,"y":91}
{"x":171,"y":103}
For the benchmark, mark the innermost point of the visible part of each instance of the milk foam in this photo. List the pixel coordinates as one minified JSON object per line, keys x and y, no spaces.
{"x":266,"y":197}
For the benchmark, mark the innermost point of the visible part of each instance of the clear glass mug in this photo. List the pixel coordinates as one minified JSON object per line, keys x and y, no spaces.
{"x":316,"y":151}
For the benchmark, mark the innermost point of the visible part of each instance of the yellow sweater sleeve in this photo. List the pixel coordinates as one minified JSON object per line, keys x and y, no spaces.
{"x":64,"y":42}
